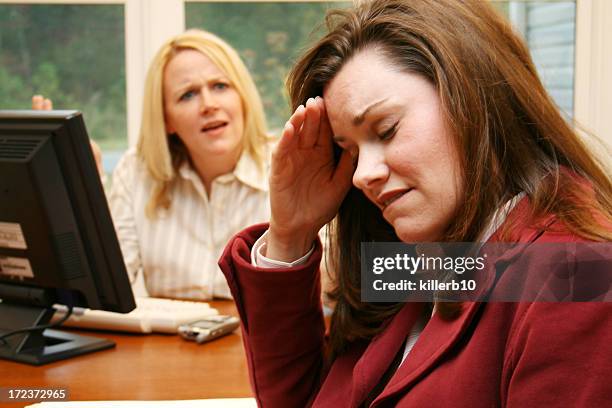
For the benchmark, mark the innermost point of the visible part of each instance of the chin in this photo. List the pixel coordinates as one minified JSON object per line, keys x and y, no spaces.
{"x":409,"y":231}
{"x":221,"y":149}
{"x":411,"y":237}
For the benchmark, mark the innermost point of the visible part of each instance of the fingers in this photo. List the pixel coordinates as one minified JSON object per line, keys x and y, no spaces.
{"x":325,"y":131}
{"x":37,"y":102}
{"x":40,"y":103}
{"x":297,"y":119}
{"x":287,"y":140}
{"x":306,"y":126}
{"x":288,"y":137}
{"x":310,"y":130}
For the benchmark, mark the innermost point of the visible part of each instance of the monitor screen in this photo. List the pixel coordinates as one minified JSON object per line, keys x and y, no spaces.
{"x":57,"y":240}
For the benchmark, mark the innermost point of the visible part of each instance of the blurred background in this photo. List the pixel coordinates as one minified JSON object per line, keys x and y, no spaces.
{"x":93,"y":55}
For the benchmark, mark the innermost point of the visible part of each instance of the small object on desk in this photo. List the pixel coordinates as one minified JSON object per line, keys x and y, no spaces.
{"x":151,"y":315}
{"x":209,"y":328}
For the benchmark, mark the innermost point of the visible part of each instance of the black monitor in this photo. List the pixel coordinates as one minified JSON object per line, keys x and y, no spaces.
{"x":57,"y":240}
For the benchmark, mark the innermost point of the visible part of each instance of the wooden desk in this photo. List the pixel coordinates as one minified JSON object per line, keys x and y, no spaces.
{"x":145,"y":367}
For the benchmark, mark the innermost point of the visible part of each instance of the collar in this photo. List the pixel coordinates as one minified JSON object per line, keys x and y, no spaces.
{"x":442,"y":334}
{"x":499,"y":217}
{"x":246,"y":171}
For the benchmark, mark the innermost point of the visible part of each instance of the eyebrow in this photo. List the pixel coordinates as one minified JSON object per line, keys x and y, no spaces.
{"x":189,"y":83}
{"x":360,"y":117}
{"x":182,"y":87}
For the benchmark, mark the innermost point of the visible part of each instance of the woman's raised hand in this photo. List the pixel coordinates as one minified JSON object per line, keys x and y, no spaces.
{"x":306,"y":185}
{"x":41,"y":103}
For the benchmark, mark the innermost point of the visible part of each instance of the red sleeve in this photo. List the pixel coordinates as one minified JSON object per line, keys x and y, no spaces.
{"x":560,"y":356}
{"x":282,"y":322}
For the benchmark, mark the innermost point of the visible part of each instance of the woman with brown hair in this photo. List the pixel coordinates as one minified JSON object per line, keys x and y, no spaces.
{"x":447,"y":135}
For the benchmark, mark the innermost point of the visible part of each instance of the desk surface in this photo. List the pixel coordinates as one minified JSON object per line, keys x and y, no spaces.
{"x":144,"y":367}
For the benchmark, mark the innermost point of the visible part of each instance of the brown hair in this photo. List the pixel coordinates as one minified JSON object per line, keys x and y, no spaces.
{"x":510,"y":135}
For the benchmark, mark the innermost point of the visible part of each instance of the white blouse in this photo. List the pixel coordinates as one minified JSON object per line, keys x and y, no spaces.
{"x":178,"y":250}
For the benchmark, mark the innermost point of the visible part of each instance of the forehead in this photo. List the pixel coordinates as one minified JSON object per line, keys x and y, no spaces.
{"x":190,"y":64}
{"x":371,"y":82}
{"x":366,"y":78}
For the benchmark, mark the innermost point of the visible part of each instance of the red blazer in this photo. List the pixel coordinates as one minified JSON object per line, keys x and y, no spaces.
{"x":492,"y":355}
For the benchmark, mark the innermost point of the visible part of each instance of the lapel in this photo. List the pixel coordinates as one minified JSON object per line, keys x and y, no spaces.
{"x":439,"y":334}
{"x":379,"y":354}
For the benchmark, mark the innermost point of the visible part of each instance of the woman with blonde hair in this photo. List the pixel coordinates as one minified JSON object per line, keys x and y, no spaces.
{"x":433,"y":111}
{"x":199,"y":172}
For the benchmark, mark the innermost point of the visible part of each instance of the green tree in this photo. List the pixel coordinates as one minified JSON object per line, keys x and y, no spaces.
{"x":74,"y":54}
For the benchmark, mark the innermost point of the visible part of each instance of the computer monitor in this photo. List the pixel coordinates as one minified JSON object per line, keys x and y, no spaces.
{"x":57,"y":240}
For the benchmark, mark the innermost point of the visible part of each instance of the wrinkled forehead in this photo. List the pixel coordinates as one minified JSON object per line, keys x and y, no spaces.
{"x":191,"y":62}
{"x":368,"y":77}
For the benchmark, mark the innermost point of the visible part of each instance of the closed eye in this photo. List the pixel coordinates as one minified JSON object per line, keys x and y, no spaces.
{"x":389,"y":133}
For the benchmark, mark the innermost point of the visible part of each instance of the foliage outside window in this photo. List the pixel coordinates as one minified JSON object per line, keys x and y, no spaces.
{"x":73,"y":54}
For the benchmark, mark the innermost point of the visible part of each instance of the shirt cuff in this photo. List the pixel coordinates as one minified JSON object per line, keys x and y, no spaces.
{"x":259,"y":260}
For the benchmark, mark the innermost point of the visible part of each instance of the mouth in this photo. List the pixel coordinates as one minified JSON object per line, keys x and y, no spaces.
{"x":384,"y":200}
{"x":214,"y":125}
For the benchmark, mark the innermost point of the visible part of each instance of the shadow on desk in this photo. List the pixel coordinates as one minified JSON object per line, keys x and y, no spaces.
{"x":144,"y":367}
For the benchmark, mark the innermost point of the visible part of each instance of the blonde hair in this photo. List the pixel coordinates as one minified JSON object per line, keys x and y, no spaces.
{"x":161,"y":154}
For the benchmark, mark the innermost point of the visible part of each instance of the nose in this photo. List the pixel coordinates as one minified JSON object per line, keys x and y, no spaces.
{"x":371,"y":167}
{"x":209,"y":101}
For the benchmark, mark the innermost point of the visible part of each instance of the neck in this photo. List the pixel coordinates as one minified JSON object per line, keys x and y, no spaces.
{"x":209,"y":167}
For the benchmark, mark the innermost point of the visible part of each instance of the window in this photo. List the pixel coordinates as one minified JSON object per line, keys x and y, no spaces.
{"x":73,"y":54}
{"x":93,"y":54}
{"x":549,"y":29}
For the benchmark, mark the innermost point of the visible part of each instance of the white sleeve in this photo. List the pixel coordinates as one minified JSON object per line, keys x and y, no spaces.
{"x":258,"y":259}
{"x":122,"y":209}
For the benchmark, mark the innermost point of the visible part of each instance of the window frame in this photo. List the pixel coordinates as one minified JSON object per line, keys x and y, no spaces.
{"x":593,"y":82}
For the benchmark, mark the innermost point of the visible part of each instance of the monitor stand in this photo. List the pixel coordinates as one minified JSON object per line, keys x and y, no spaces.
{"x":41,"y":347}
